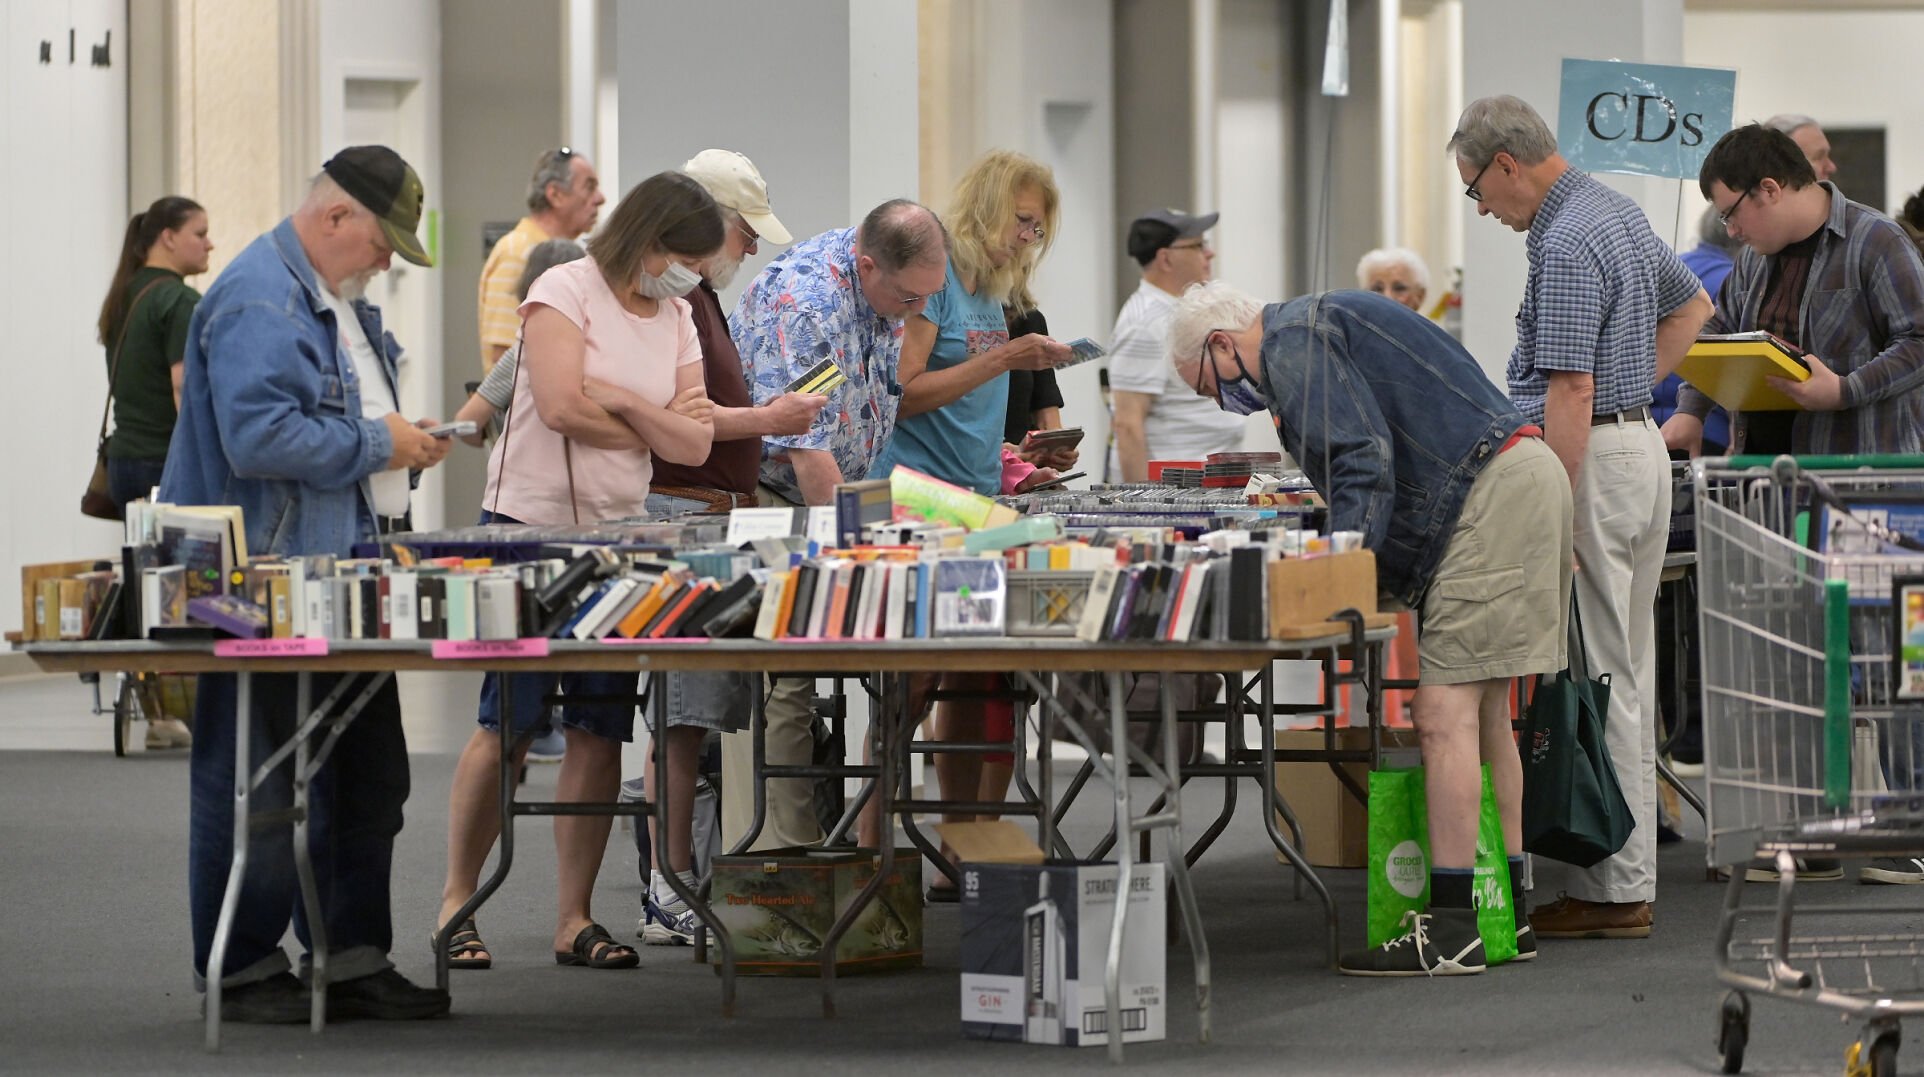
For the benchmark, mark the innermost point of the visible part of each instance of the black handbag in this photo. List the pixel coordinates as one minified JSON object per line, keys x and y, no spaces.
{"x":1573,"y":807}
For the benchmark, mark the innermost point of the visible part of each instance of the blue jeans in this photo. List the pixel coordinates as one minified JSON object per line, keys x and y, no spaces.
{"x":354,"y":810}
{"x":132,"y":479}
{"x":610,"y":721}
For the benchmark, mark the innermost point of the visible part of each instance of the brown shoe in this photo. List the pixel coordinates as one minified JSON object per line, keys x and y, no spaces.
{"x":1575,"y":918}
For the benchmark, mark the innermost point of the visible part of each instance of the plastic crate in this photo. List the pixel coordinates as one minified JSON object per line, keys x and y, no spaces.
{"x":1046,"y":603}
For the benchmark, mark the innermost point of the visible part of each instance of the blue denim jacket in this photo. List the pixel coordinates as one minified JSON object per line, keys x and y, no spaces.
{"x":270,"y":409}
{"x":1389,"y":417}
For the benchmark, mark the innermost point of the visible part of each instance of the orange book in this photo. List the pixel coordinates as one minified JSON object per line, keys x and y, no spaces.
{"x":838,"y":602}
{"x":788,"y":605}
{"x":693,"y":595}
{"x":638,"y":617}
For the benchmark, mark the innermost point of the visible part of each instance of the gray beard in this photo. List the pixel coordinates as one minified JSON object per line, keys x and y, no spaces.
{"x":720,"y":272}
{"x":355,"y":287}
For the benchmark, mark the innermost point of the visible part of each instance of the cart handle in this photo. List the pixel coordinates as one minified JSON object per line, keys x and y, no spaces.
{"x":1837,"y":694}
{"x":1833,"y":462}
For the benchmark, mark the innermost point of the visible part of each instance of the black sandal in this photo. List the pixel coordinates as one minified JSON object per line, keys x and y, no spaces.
{"x":596,"y":949}
{"x":466,"y":950}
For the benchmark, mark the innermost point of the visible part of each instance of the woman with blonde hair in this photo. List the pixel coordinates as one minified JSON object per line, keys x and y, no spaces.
{"x":956,"y":358}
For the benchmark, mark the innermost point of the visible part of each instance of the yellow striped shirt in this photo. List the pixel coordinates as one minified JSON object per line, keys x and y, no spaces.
{"x":506,"y":262}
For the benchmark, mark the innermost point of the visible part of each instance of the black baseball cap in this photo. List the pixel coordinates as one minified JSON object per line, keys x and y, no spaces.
{"x":1159,"y":228}
{"x":379,"y":179}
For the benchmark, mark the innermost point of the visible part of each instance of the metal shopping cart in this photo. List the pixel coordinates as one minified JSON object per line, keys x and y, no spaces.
{"x":1810,"y":749}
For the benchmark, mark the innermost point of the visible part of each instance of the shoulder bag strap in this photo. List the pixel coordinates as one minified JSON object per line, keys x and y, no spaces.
{"x":507,"y":428}
{"x":113,"y":363}
{"x":1579,"y":659}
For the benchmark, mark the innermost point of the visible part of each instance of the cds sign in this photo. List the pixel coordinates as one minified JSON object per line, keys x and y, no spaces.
{"x":1643,"y":119}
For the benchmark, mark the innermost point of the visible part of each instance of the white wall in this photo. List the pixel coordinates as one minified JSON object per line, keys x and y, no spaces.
{"x":63,"y":138}
{"x":1870,"y":76}
{"x":398,"y":66}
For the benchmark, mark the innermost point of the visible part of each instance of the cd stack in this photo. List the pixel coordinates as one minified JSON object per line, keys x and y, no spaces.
{"x":1225,"y":470}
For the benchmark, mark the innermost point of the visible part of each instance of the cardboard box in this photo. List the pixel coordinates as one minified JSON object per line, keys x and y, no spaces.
{"x":1035,"y":939}
{"x":33,"y":617}
{"x":1336,"y":825}
{"x":779,"y":905}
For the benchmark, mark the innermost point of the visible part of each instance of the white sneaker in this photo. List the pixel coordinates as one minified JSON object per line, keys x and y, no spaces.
{"x":672,"y":925}
{"x":1893,"y":869}
{"x":165,"y":733}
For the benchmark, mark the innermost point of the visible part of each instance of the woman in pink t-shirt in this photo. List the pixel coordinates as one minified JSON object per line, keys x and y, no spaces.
{"x":610,"y":377}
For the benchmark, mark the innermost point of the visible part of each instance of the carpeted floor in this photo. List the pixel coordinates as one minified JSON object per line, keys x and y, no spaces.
{"x":96,"y":957}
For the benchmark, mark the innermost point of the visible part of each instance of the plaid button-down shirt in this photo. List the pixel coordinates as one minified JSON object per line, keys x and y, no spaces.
{"x":1599,"y":282}
{"x":1860,"y":314}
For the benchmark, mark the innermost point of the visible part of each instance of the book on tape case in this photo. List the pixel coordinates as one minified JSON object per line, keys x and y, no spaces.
{"x":1732,"y":368}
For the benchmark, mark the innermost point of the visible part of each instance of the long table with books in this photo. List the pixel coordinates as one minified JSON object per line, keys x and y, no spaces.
{"x":1034,"y":661}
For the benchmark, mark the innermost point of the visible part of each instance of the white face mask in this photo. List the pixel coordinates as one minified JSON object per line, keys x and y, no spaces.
{"x":678,"y":281}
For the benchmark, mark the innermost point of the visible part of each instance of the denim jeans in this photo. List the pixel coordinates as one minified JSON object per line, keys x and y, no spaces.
{"x":132,"y":479}
{"x":354,"y":808}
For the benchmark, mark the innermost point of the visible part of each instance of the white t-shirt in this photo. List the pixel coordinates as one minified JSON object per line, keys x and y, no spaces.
{"x":1181,"y":425}
{"x":389,"y":488}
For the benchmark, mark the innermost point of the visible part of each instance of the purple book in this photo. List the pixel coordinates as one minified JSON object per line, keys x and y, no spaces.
{"x":231,"y":614}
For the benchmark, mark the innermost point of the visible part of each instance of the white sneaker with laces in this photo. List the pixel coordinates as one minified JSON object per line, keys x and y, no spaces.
{"x":1899,"y":870}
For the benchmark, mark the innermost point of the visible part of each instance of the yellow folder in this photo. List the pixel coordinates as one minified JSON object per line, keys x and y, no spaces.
{"x":1731,"y":370}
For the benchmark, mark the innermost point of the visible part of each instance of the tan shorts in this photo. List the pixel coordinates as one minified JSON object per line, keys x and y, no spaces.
{"x":1497,"y":606}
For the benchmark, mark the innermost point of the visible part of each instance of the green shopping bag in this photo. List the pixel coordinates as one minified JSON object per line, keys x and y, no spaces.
{"x":1399,"y":863}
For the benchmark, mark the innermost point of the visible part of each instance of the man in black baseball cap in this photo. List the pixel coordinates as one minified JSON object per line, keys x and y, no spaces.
{"x":1155,"y":416}
{"x":379,"y":179}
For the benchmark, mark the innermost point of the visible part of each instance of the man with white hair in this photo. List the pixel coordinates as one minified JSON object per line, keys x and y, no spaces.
{"x":1396,"y":272}
{"x":1468,"y":514}
{"x":1608,"y":311}
{"x":564,"y":198}
{"x":1810,"y":138}
{"x":288,"y":412}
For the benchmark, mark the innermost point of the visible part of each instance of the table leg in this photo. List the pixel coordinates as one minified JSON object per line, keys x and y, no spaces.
{"x":1273,"y":804}
{"x":884,"y":735}
{"x":658,"y":744}
{"x":230,"y":899}
{"x":304,"y":858}
{"x":1173,"y":855}
{"x":1125,"y":862}
{"x":505,"y":774}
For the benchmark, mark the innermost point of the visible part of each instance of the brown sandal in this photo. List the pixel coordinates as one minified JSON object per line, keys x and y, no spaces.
{"x":596,"y":949}
{"x":466,"y":950}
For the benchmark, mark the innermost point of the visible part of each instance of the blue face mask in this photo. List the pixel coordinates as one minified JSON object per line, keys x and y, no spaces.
{"x":1239,"y":395}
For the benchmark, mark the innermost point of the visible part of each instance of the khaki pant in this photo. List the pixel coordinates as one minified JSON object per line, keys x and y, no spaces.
{"x":1622,"y":526}
{"x":788,"y":741}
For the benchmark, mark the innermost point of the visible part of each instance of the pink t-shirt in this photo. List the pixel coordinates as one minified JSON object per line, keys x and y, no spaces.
{"x":528,"y":470}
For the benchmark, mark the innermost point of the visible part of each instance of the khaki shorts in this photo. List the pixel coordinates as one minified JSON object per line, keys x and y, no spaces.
{"x":1497,"y":606}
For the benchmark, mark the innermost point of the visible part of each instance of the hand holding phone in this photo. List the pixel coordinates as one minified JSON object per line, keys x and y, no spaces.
{"x":1054,"y":483}
{"x":1084,"y":350}
{"x":457,"y":429}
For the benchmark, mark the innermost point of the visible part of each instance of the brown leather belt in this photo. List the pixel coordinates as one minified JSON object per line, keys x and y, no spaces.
{"x":1629,"y":415}
{"x":716,"y":500}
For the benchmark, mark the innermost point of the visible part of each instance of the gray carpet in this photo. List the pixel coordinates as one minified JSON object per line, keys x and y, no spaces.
{"x":95,"y":948}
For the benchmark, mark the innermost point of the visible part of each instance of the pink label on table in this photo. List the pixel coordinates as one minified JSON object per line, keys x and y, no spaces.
{"x":296,"y":647}
{"x":491,"y":648}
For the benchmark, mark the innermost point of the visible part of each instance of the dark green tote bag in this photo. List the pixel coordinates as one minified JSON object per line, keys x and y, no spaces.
{"x":1573,"y":808}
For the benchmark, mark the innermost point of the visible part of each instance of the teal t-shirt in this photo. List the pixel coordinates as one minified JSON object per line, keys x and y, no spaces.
{"x":961,"y":442}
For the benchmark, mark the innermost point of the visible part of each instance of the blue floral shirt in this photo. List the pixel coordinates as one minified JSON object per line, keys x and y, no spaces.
{"x":805,"y":306}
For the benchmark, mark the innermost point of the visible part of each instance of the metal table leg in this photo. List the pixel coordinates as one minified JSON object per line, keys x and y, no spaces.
{"x":304,"y":860}
{"x":887,"y":730}
{"x":658,"y":706}
{"x":1174,"y":856}
{"x":505,"y":776}
{"x":1125,"y":863}
{"x":230,"y":900}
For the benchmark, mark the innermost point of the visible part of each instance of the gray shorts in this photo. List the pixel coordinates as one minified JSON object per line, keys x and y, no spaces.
{"x":718,"y":701}
{"x":1496,"y":608}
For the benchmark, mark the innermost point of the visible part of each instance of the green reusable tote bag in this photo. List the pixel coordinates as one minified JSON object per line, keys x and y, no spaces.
{"x":1573,"y":808}
{"x":1399,"y":863}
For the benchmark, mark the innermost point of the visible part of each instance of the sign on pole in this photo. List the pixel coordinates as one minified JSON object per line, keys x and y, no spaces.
{"x":1644,"y":119}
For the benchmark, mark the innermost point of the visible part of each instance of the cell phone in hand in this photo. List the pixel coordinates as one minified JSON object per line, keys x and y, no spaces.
{"x":1084,"y":350}
{"x":460,"y":428}
{"x":1067,"y":437}
{"x":1054,"y":483}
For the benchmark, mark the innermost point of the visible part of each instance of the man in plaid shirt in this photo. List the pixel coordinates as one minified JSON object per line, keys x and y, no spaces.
{"x":1608,"y":311}
{"x":1838,"y":279}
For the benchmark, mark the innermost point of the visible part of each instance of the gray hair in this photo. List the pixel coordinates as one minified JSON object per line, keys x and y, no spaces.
{"x":544,"y":256}
{"x":900,"y":233}
{"x":1203,"y":309}
{"x":1788,"y":122}
{"x":1711,"y":230}
{"x":1501,"y":123}
{"x":1385,"y":257}
{"x":553,"y":166}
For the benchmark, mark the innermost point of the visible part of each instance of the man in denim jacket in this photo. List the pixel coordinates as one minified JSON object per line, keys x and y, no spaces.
{"x":1468,"y":514}
{"x":288,"y":411}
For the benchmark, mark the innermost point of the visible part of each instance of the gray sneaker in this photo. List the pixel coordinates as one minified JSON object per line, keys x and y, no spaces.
{"x":1441,"y":942}
{"x":1893,"y":869}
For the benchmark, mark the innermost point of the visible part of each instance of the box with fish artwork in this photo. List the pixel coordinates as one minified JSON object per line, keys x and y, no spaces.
{"x":779,"y":905}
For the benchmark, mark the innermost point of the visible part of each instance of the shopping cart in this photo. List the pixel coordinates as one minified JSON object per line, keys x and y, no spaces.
{"x":1810,"y":750}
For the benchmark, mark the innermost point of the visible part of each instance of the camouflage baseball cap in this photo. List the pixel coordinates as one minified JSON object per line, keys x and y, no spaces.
{"x":379,"y":179}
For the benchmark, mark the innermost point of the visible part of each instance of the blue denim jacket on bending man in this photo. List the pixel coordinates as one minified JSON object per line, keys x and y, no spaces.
{"x":1389,"y":417}
{"x":270,"y":410}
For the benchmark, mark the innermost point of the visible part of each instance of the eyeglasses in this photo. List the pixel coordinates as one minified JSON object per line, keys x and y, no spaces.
{"x":1026,"y":225}
{"x":1724,"y":217}
{"x":1471,"y":192}
{"x":909,"y":299}
{"x":748,"y":234}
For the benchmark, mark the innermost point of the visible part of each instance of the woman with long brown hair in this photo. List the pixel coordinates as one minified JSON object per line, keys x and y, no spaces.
{"x":144,"y":319}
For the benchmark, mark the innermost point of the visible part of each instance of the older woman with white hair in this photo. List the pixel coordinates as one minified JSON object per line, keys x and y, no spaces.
{"x":1396,"y":272}
{"x":1468,"y":514}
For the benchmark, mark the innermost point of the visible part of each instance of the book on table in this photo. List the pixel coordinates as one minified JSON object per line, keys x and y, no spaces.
{"x":1732,"y":368}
